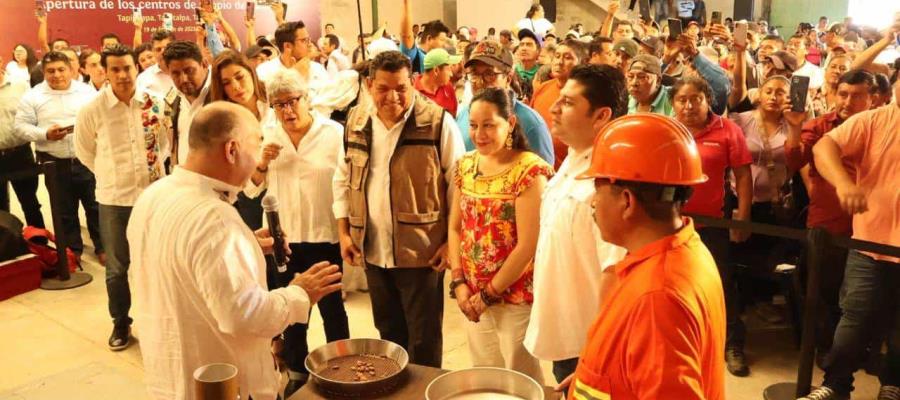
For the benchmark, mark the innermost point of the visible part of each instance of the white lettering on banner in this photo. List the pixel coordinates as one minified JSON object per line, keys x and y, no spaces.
{"x":142,"y":4}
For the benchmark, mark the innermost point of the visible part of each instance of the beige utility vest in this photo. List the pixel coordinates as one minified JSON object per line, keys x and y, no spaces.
{"x":417,"y":186}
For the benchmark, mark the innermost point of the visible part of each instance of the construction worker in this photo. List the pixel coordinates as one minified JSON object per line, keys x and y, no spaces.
{"x":661,"y":329}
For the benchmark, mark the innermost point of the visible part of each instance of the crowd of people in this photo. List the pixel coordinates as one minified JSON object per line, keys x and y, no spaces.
{"x":441,"y":150}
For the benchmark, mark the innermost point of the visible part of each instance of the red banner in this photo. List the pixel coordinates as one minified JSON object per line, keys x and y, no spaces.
{"x":83,"y":22}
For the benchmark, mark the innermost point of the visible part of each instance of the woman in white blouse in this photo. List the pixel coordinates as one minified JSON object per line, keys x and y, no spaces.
{"x":21,"y":64}
{"x":300,"y":154}
{"x":535,"y":21}
{"x":233,"y":80}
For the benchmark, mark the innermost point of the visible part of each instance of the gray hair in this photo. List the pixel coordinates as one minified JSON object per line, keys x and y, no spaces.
{"x":286,"y":81}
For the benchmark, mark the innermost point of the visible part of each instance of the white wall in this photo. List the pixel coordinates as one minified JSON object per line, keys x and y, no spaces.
{"x":342,"y":13}
{"x":483,"y":14}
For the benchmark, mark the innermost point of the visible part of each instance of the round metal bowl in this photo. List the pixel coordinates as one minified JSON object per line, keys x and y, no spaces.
{"x":484,"y":383}
{"x":318,"y":361}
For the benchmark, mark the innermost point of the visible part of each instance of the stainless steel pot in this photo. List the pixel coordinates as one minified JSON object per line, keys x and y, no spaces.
{"x":484,"y":383}
{"x":318,"y":361}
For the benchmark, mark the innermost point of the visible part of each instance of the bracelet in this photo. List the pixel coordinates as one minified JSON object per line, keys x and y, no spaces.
{"x":455,"y":284}
{"x":488,"y":299}
{"x":491,"y":290}
{"x":262,"y":170}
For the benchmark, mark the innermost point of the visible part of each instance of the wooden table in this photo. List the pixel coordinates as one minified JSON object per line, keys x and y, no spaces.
{"x":412,"y":387}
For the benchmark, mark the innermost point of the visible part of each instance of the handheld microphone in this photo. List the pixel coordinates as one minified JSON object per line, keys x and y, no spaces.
{"x":270,"y":206}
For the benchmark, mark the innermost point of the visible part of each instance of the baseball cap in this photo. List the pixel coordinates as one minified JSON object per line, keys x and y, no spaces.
{"x":782,"y":60}
{"x":524,"y":33}
{"x":255,"y":50}
{"x":646,"y":63}
{"x":438,"y":57}
{"x":491,"y":53}
{"x":381,"y":45}
{"x":626,"y":46}
{"x":653,"y":45}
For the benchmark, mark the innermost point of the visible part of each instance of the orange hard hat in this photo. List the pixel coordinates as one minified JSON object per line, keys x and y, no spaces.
{"x":648,"y":148}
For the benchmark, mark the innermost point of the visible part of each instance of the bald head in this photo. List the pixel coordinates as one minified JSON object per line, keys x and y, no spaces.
{"x":219,"y":122}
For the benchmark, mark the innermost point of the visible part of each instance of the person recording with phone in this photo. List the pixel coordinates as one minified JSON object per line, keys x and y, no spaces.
{"x":299,"y":157}
{"x":46,"y":117}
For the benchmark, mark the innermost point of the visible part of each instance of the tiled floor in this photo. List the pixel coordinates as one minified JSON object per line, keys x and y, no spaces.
{"x":53,"y":346}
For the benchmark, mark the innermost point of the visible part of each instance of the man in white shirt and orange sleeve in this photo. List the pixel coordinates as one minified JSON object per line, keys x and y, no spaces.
{"x":119,"y":136}
{"x":199,"y":274}
{"x":568,"y":271}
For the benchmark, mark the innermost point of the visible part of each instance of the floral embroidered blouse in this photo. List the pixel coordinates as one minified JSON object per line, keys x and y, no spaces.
{"x":488,"y":214}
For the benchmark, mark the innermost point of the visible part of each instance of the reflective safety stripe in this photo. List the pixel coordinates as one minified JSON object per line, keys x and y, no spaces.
{"x":585,"y":392}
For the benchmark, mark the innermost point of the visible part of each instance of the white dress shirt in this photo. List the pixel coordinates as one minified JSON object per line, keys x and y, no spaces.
{"x":337,"y":62}
{"x":110,"y":141}
{"x":189,"y":110}
{"x":154,"y":81}
{"x":300,"y":178}
{"x":815,"y":74}
{"x":16,"y":73}
{"x":318,"y":76}
{"x":198,"y":280}
{"x":570,"y":259}
{"x":41,"y":107}
{"x":379,"y":228}
{"x":11,"y":93}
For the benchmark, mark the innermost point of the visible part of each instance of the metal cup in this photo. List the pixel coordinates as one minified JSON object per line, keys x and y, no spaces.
{"x":216,"y":382}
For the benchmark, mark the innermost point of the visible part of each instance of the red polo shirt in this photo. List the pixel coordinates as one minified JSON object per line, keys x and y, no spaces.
{"x":445,"y":96}
{"x":661,"y":334}
{"x":722,"y":145}
{"x":824,"y":207}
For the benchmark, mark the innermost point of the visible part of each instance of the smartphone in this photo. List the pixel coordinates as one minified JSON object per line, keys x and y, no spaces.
{"x":716,"y":18}
{"x":799,"y":91}
{"x":66,"y":130}
{"x":40,"y":9}
{"x":200,"y":21}
{"x":645,"y":10}
{"x":251,"y":8}
{"x":674,"y":28}
{"x":740,"y":35}
{"x":168,"y":22}
{"x":136,"y":14}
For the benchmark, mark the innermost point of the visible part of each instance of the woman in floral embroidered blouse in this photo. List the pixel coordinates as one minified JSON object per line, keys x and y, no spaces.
{"x":494,"y":223}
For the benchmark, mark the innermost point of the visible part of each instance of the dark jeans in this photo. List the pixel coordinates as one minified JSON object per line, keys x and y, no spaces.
{"x":717,"y":241}
{"x":834,"y":261}
{"x":113,"y":224}
{"x":76,"y":184}
{"x":563,"y":368}
{"x":16,"y":160}
{"x":251,"y":210}
{"x":867,"y":284}
{"x":331,"y":307}
{"x":408,"y":308}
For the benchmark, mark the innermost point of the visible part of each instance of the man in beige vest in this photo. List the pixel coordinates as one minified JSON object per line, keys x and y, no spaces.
{"x":391,"y":203}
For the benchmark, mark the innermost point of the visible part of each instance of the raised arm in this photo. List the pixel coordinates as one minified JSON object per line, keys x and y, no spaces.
{"x":138,"y":32}
{"x":865,"y":59}
{"x":229,"y":31}
{"x":42,"y":33}
{"x":607,"y":27}
{"x":406,"y":32}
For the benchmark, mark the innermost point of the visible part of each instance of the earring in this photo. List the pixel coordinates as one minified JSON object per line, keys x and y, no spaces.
{"x":509,"y":142}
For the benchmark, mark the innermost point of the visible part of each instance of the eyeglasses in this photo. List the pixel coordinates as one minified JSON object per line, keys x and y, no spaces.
{"x":490,"y":76}
{"x":303,"y":40}
{"x":289,"y":103}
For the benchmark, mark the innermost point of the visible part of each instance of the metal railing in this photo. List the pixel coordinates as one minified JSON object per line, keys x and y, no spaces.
{"x":816,"y":240}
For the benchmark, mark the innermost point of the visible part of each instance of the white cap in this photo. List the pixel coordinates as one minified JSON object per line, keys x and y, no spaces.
{"x":381,"y":45}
